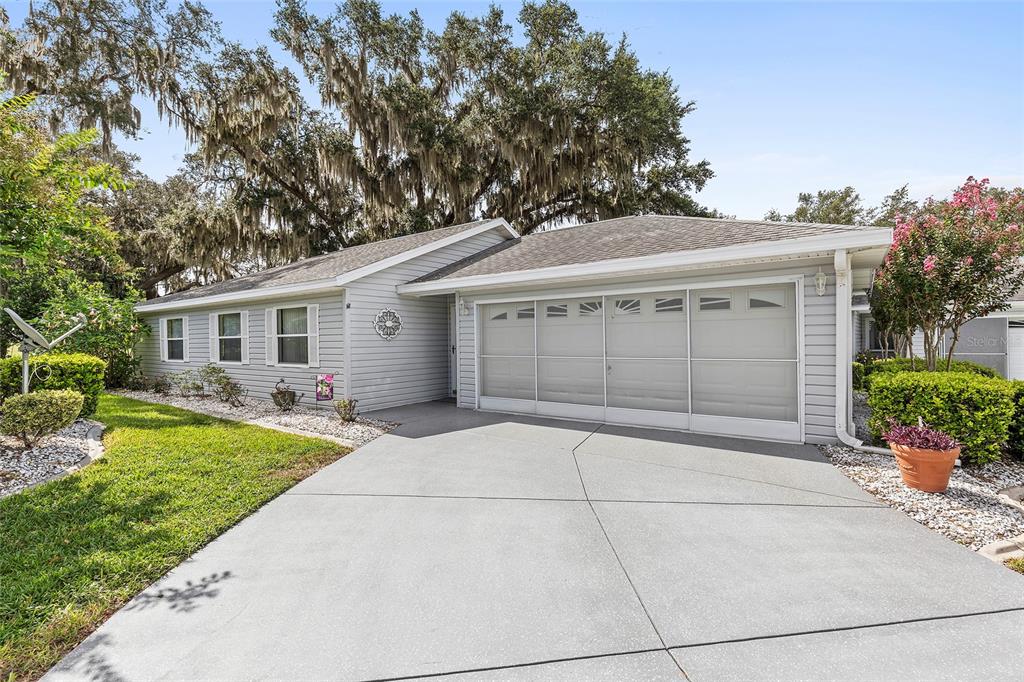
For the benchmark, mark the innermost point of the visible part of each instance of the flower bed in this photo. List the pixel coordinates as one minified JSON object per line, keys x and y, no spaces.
{"x":303,"y":418}
{"x":969,"y":512}
{"x":21,"y":467}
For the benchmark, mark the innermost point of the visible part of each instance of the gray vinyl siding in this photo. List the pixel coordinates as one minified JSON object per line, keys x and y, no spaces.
{"x":858,"y":334}
{"x":819,"y":336}
{"x":413,"y":367}
{"x":256,"y":376}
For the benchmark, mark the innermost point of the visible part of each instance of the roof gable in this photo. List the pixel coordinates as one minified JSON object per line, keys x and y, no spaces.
{"x":331,"y":269}
{"x":627,"y":237}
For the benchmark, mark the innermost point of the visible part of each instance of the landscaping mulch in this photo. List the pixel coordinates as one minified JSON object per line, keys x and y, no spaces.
{"x":22,"y":467}
{"x":323,"y":420}
{"x":969,"y":512}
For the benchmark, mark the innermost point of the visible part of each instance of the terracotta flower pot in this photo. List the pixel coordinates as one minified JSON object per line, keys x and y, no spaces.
{"x":925,"y":470}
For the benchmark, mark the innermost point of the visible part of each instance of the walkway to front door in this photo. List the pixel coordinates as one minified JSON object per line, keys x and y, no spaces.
{"x":516,"y":548}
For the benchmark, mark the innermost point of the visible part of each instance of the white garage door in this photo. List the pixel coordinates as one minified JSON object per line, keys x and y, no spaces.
{"x":711,"y":360}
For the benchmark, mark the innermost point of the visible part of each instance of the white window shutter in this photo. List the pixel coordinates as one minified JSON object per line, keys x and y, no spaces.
{"x":271,"y":333}
{"x":214,"y":355}
{"x":313,"y":329}
{"x":245,"y":337}
{"x":184,"y":332}
{"x":162,"y":331}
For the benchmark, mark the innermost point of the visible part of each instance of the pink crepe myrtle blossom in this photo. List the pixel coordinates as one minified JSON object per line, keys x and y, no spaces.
{"x":974,"y":239}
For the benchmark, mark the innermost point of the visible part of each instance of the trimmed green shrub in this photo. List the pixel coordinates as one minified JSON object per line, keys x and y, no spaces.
{"x":858,"y":376}
{"x":34,"y":416}
{"x":1015,"y":445}
{"x":57,"y":371}
{"x":892,"y":365}
{"x":975,"y":410}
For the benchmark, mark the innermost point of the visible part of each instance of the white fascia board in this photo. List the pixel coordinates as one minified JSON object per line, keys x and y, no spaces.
{"x":250,"y":295}
{"x":334,"y":282}
{"x":397,"y":259}
{"x":786,"y":248}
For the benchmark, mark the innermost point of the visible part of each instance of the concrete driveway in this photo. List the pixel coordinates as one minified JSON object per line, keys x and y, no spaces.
{"x":489,"y":547}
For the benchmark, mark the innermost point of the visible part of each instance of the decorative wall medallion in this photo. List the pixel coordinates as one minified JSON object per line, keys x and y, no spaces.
{"x":388,"y":324}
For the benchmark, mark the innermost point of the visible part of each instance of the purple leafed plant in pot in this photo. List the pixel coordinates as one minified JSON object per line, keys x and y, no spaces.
{"x":925,"y":455}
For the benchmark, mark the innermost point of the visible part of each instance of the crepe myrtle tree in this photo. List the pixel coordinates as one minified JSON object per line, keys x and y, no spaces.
{"x":952,"y":261}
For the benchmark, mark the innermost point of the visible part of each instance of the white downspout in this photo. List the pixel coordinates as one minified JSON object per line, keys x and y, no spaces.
{"x":844,"y":302}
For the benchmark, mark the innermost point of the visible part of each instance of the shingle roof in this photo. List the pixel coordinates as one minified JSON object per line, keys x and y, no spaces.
{"x":319,"y":267}
{"x":626,"y":237}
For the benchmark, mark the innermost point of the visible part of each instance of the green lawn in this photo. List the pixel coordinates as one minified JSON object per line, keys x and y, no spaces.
{"x":73,"y":551}
{"x":1016,"y":565}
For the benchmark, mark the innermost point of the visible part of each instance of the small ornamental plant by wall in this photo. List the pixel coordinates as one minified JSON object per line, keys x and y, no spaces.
{"x":925,"y":455}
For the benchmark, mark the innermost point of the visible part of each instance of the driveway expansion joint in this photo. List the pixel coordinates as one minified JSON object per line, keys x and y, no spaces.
{"x":619,"y":559}
{"x":586,"y":499}
{"x":849,"y":628}
{"x":513,"y":666}
{"x":730,"y":476}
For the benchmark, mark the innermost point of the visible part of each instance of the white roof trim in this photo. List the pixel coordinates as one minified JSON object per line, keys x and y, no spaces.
{"x":783,"y":248}
{"x":251,"y":294}
{"x":399,"y":258}
{"x":331,"y":283}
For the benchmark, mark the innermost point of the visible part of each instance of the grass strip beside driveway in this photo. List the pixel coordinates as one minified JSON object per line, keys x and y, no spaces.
{"x":73,"y":551}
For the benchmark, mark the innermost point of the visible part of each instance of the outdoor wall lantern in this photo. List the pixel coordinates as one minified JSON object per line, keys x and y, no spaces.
{"x":463,"y":307}
{"x":820,"y":282}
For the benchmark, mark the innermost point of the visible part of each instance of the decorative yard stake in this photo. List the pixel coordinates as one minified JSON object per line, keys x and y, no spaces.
{"x":33,"y":339}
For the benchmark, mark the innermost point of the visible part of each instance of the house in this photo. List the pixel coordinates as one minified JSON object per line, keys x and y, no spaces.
{"x":996,"y":341}
{"x":717,"y":326}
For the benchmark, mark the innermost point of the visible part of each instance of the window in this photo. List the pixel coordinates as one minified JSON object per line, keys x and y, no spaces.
{"x":766,"y":298}
{"x":292,"y":336}
{"x":715,"y":303}
{"x":668,"y":305}
{"x":590,"y":308}
{"x":174,"y":334}
{"x":524,"y":313}
{"x":558,"y":310}
{"x":229,"y":337}
{"x":500,"y":316}
{"x":627,"y":306}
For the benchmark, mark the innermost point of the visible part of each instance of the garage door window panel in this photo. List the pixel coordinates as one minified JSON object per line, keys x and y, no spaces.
{"x":507,"y":363}
{"x":742,"y":332}
{"x":507,"y":329}
{"x":563,"y":332}
{"x":652,"y":330}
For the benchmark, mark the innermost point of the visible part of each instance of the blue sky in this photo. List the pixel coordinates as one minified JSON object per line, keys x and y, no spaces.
{"x":790,"y":97}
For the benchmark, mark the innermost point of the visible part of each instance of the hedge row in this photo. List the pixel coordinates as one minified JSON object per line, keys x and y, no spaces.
{"x":873,"y":368}
{"x":979,"y":411}
{"x":57,"y":371}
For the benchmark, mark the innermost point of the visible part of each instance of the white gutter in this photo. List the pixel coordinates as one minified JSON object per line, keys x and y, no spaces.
{"x":784,"y":248}
{"x":248,"y":295}
{"x":333,"y":282}
{"x":844,"y":368}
